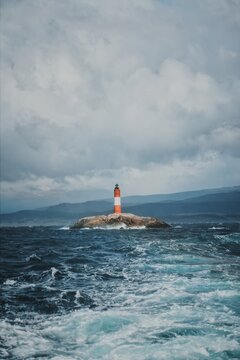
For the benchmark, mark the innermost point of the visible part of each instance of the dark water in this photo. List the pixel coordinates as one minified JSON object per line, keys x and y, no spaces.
{"x":120,"y":294}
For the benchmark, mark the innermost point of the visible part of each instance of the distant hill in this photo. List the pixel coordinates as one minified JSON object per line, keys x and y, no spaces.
{"x":220,"y":203}
{"x":198,"y":204}
{"x":143,"y":199}
{"x":85,"y":207}
{"x":55,"y":215}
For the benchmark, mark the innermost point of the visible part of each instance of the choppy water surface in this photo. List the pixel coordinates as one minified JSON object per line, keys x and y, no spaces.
{"x":120,"y":294}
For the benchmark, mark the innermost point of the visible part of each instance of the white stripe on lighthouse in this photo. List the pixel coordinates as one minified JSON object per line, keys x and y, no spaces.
{"x":117,"y":201}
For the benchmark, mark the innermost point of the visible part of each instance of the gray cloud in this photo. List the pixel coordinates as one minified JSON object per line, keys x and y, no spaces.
{"x":141,"y":92}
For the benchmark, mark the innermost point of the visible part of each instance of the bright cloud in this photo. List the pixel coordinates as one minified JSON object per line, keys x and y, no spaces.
{"x":145,"y":93}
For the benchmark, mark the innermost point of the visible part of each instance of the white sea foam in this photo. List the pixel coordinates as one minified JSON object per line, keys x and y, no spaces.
{"x":136,"y":227}
{"x":118,"y":335}
{"x":234,"y":237}
{"x":78,"y":295}
{"x":120,"y":226}
{"x":220,"y":294}
{"x":27,"y":285}
{"x":9,"y":282}
{"x":33,"y":256}
{"x":64,"y":228}
{"x":217,"y":228}
{"x":54,"y":271}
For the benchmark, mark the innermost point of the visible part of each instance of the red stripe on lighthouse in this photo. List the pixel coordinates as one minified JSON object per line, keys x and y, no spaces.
{"x":117,"y":200}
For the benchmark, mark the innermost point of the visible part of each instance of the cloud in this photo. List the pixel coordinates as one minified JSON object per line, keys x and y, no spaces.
{"x":131,"y":89}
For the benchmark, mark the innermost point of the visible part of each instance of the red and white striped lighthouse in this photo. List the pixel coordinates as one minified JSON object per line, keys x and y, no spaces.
{"x":117,"y":200}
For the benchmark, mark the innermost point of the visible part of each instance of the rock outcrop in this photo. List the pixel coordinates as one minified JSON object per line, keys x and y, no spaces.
{"x":123,"y":220}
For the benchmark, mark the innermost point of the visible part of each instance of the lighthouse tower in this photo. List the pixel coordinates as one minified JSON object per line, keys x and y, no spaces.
{"x":117,"y":200}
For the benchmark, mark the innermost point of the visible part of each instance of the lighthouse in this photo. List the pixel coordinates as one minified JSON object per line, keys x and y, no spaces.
{"x":118,"y":219}
{"x":117,"y":200}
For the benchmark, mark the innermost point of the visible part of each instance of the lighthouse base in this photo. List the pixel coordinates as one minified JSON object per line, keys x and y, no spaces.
{"x":123,"y":220}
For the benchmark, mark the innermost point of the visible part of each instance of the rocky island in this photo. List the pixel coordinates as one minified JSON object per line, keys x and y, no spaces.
{"x":118,"y":220}
{"x":122,"y":220}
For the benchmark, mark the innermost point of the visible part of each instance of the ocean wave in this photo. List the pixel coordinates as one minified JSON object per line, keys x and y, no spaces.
{"x":115,"y":334}
{"x":116,"y":227}
{"x":54,"y":272}
{"x":221,"y":294}
{"x":217,"y":228}
{"x":33,"y":257}
{"x":9,"y":282}
{"x":120,"y":294}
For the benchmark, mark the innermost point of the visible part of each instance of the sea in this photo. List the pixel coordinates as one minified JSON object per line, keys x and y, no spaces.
{"x":120,"y":294}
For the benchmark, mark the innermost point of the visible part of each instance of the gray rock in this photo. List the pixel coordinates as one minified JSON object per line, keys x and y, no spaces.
{"x":123,"y":220}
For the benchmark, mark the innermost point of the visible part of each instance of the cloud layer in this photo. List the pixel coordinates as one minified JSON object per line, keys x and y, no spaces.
{"x":145,"y":93}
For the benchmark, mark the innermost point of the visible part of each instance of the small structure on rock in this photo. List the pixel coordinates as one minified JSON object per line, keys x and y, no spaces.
{"x":118,"y":219}
{"x":117,"y":200}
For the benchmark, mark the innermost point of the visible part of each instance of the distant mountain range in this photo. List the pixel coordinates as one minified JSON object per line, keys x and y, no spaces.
{"x":216,"y":204}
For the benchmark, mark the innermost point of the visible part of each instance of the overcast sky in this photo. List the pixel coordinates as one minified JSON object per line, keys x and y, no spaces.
{"x":145,"y":93}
